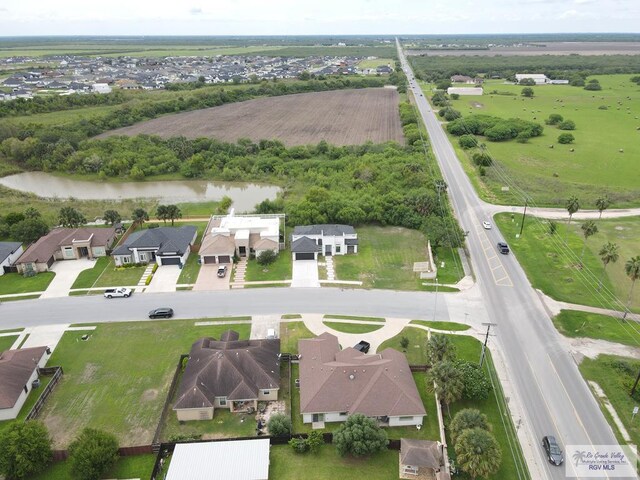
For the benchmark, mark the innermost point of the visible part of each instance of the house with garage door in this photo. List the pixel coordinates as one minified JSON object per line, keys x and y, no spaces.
{"x":330,"y":239}
{"x":336,"y":383}
{"x":164,"y":245}
{"x":228,"y":373}
{"x":240,"y":235}
{"x":65,"y":244}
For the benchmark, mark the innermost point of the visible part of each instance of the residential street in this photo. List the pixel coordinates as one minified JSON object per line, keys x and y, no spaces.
{"x":556,"y":399}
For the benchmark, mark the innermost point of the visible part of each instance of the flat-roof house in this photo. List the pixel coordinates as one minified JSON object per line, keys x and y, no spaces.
{"x":227,"y":460}
{"x":330,"y":239}
{"x":228,"y":373}
{"x":337,"y":383}
{"x":240,"y":235}
{"x":9,"y":253}
{"x":465,"y":90}
{"x":18,"y":369}
{"x":66,"y":244}
{"x":539,"y":78}
{"x":164,"y":245}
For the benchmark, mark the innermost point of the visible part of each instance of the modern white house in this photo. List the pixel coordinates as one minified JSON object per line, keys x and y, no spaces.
{"x":240,"y":235}
{"x":307,"y":241}
{"x":18,"y":370}
{"x":164,"y":245}
{"x":9,"y":253}
{"x":335,"y":384}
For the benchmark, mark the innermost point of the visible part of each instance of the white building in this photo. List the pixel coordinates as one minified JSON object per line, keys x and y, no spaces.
{"x":539,"y":78}
{"x":465,"y":90}
{"x":307,"y":241}
{"x":101,"y":88}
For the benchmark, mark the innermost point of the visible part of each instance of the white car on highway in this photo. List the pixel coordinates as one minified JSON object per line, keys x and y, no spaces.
{"x":486,"y":225}
{"x":117,"y":292}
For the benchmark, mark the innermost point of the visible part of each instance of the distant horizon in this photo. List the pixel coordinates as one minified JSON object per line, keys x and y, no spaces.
{"x":357,"y":17}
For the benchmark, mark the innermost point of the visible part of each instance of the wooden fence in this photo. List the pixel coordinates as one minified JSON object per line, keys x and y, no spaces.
{"x":167,"y":403}
{"x":57,"y":374}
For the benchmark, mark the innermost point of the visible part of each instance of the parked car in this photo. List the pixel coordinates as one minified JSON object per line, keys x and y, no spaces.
{"x":271,"y":333}
{"x":117,"y":292}
{"x":551,"y":448}
{"x":503,"y":248}
{"x":363,"y":346}
{"x":222,"y":271}
{"x":486,"y":225}
{"x":163,"y":312}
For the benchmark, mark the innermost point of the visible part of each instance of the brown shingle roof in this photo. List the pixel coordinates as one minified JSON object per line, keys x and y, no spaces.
{"x":217,"y":245}
{"x":16,"y":366}
{"x":230,"y":368}
{"x":420,"y":453}
{"x":45,"y":247}
{"x":351,"y":381}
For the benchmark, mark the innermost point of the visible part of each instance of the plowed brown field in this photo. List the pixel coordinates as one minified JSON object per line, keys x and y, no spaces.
{"x":342,"y":117}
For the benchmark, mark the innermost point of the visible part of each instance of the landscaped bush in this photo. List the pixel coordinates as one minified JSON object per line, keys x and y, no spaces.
{"x":360,"y":436}
{"x":155,"y":267}
{"x":25,"y":449}
{"x":148,"y":280}
{"x":476,"y":385}
{"x":180,"y":437}
{"x":92,"y":454}
{"x":279,"y":425}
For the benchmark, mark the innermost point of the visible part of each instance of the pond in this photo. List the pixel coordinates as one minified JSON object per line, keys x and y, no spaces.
{"x":244,"y":195}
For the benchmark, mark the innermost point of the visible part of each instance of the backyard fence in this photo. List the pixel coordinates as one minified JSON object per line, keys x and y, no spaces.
{"x":419,"y":368}
{"x":57,"y":374}
{"x":61,"y":455}
{"x":167,"y":403}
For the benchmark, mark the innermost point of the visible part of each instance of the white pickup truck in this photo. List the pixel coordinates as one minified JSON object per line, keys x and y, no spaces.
{"x":117,"y":292}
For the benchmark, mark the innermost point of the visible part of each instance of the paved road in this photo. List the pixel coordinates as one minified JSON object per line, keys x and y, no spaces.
{"x":254,"y":301}
{"x":555,"y":397}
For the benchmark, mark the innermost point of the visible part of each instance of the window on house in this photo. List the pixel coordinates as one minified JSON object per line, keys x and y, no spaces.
{"x":343,"y":414}
{"x":406,"y":419}
{"x":337,"y":248}
{"x":266,"y":392}
{"x":126,"y":260}
{"x":222,"y":401}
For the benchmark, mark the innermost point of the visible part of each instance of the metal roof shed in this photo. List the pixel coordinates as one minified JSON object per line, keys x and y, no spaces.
{"x":230,"y":460}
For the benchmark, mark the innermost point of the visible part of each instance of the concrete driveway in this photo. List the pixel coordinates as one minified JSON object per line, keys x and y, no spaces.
{"x":165,"y":279}
{"x":66,"y":273}
{"x":305,"y":274}
{"x":208,"y":278}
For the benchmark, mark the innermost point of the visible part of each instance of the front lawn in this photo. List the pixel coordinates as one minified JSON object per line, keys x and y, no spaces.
{"x":138,"y":466}
{"x":451,"y":326}
{"x":118,"y":379}
{"x":572,"y":323}
{"x":278,"y":270}
{"x":385,"y":259}
{"x":352,"y":327}
{"x":87,"y":278}
{"x":616,"y":376}
{"x":190,"y":270}
{"x":115,"y":277}
{"x":416,"y":352}
{"x":354,"y":317}
{"x":7,"y":342}
{"x":12,"y":283}
{"x":290,"y":333}
{"x":285,"y":464}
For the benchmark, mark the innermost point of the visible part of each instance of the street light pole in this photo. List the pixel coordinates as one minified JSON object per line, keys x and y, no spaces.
{"x":486,"y":339}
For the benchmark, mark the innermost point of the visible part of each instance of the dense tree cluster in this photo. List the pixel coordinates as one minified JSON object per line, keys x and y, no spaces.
{"x":56,"y":103}
{"x":495,"y":129}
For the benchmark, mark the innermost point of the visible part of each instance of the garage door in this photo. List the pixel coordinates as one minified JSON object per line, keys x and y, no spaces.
{"x":209,"y":259}
{"x":170,"y":261}
{"x":305,"y":256}
{"x":224,"y":259}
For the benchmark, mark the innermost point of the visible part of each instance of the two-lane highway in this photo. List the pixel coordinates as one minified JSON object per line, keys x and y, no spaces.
{"x":555,"y":397}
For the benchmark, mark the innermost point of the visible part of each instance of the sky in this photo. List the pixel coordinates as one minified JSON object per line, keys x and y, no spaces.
{"x":318,"y":17}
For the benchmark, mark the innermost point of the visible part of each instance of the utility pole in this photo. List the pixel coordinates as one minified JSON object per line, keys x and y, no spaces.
{"x":435,"y":302}
{"x":486,"y":339}
{"x":523,"y":216}
{"x":635,"y":385}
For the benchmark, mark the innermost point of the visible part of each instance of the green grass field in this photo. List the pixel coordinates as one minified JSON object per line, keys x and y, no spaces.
{"x":616,"y":375}
{"x":451,"y":326}
{"x":385,"y":259}
{"x":290,"y":333}
{"x":7,"y":341}
{"x":376,"y":63}
{"x":278,"y":270}
{"x":352,"y":327}
{"x":355,"y":317}
{"x":223,"y":425}
{"x":560,"y":277}
{"x":118,"y":379}
{"x":139,"y":466}
{"x":11,"y":283}
{"x":416,"y":352}
{"x":572,"y":323}
{"x":191,"y":269}
{"x":550,"y":175}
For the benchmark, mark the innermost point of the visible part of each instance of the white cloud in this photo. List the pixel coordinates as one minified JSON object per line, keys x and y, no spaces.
{"x":196,"y":11}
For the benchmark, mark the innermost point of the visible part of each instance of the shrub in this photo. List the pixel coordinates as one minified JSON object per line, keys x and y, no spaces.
{"x":565,"y":138}
{"x":148,"y":280}
{"x":527,"y":82}
{"x":552,"y":227}
{"x":181,"y":437}
{"x":25,"y":449}
{"x":466,"y":419}
{"x":314,"y":441}
{"x":603,"y":107}
{"x":593,"y":85}
{"x":476,"y":385}
{"x":92,"y":454}
{"x":404,"y":342}
{"x":554,"y":119}
{"x":468,"y":141}
{"x":527,"y":92}
{"x":567,"y":125}
{"x":482,"y":159}
{"x":455,"y":96}
{"x":449,"y":114}
{"x":155,"y":267}
{"x":279,"y":425}
{"x":299,"y":445}
{"x":360,"y":436}
{"x":266,"y":257}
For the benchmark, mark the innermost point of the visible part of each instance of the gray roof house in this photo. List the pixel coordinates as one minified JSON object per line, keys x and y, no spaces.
{"x":9,"y":253}
{"x":337,"y":383}
{"x":165,"y":245}
{"x":228,"y":373}
{"x":18,"y":368}
{"x":423,"y":458}
{"x":331,"y":239}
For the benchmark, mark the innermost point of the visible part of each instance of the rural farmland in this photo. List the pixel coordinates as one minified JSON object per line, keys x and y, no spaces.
{"x":347,"y":117}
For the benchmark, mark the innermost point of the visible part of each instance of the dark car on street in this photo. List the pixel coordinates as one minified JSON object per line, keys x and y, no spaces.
{"x":503,"y":248}
{"x":163,"y":312}
{"x":363,"y":346}
{"x":551,"y":448}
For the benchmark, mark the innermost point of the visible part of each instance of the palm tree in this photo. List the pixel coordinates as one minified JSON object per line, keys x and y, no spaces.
{"x":465,"y":419}
{"x":448,"y":381}
{"x":588,"y":228}
{"x":608,"y":254}
{"x":140,"y":216}
{"x":573,"y":205}
{"x":632,"y":269}
{"x":602,"y":203}
{"x":439,"y":348}
{"x":478,"y":453}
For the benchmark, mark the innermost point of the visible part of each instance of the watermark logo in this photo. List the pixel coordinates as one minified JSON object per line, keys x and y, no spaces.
{"x":601,"y":461}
